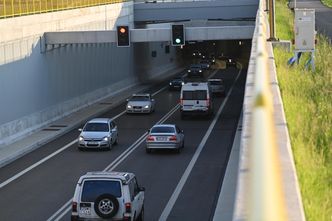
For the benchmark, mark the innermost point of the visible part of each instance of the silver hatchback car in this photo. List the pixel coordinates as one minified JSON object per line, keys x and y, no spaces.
{"x":165,"y":136}
{"x":98,"y":133}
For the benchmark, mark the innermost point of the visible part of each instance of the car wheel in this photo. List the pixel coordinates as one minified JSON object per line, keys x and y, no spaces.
{"x":116,"y":142}
{"x":148,"y":150}
{"x":80,"y":148}
{"x":106,"y":206}
{"x":178,"y":150}
{"x":141,"y":215}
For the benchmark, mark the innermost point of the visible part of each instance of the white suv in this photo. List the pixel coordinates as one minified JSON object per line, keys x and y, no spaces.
{"x":196,"y":98}
{"x":108,"y":195}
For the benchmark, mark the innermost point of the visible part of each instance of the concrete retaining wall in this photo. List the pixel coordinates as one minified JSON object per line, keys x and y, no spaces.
{"x":37,"y":88}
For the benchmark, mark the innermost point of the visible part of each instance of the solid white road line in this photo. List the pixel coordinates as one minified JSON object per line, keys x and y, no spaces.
{"x":66,"y":207}
{"x":178,"y":189}
{"x":16,"y":176}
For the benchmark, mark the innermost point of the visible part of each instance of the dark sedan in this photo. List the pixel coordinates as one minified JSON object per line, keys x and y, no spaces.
{"x":176,"y":83}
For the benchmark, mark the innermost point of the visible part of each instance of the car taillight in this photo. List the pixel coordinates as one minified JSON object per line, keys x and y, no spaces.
{"x":172,"y":138}
{"x":128,"y":207}
{"x":150,"y":138}
{"x":74,"y":207}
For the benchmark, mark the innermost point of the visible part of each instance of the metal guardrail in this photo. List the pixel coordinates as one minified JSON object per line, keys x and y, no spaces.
{"x":13,"y":8}
{"x":266,"y":199}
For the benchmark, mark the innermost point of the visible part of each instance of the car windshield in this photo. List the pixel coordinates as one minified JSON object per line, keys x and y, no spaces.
{"x":195,"y":95}
{"x":195,"y":66}
{"x":162,"y":130}
{"x":102,"y":127}
{"x":94,"y":188}
{"x":139,"y":98}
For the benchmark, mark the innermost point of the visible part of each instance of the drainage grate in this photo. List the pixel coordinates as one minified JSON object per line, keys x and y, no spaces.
{"x":51,"y":129}
{"x":105,"y":103}
{"x":55,"y":125}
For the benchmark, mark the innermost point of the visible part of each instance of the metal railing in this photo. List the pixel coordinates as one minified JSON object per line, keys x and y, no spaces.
{"x":266,"y":199}
{"x":13,"y":8}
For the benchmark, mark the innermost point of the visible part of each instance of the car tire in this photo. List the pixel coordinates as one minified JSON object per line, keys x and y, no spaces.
{"x":178,"y":150}
{"x":116,"y":142}
{"x":106,"y":206}
{"x":80,"y":148}
{"x":141,"y":215}
{"x":148,"y":150}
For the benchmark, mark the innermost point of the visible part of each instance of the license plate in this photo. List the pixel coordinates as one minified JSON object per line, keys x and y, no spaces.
{"x":92,"y":143}
{"x":161,"y":139}
{"x":86,"y":210}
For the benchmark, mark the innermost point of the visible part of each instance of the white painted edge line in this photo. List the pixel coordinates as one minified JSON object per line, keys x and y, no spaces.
{"x":178,"y":189}
{"x":16,"y":176}
{"x":226,"y":197}
{"x":66,"y":207}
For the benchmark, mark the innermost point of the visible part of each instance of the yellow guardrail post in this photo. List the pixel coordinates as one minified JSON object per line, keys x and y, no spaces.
{"x":266,"y":201}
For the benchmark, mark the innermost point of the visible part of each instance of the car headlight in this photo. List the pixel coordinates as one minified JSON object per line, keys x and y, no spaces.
{"x":189,"y":70}
{"x":170,"y":83}
{"x":230,"y":60}
{"x":200,"y":70}
{"x":81,"y":138}
{"x":182,"y":83}
{"x":105,"y":139}
{"x":146,"y":106}
{"x":128,"y":106}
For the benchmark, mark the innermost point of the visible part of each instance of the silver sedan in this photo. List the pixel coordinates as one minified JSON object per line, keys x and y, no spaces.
{"x":140,"y":103}
{"x":165,"y":136}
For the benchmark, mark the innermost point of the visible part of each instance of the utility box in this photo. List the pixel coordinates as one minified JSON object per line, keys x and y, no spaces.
{"x":304,"y":30}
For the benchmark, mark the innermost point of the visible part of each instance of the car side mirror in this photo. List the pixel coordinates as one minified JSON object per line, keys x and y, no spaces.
{"x":152,"y":99}
{"x":142,"y":189}
{"x":127,"y":100}
{"x":80,"y":129}
{"x":181,"y":131}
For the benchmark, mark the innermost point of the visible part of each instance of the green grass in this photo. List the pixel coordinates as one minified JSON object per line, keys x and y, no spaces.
{"x":307,"y":98}
{"x":327,"y":3}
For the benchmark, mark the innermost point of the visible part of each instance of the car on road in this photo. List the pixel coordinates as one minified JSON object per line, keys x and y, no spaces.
{"x":195,"y":70}
{"x":176,"y":83}
{"x":205,"y":64}
{"x":196,"y":99}
{"x":217,"y":86}
{"x":98,"y":133}
{"x":108,"y":195}
{"x":140,"y":103}
{"x":229,"y":62}
{"x":165,"y":136}
{"x":197,"y":54}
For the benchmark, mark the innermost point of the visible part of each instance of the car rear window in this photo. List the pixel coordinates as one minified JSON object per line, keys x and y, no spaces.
{"x":94,"y":188}
{"x":162,"y":130}
{"x":96,"y":127}
{"x":215,"y":82}
{"x":194,"y":95}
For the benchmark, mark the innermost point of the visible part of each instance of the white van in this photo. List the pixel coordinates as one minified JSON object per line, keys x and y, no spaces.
{"x":195,"y":99}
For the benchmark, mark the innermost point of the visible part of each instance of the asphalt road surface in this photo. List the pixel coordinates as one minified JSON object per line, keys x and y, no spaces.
{"x":45,"y":192}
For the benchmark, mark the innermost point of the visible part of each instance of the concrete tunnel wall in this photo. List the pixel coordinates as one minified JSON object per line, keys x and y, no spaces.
{"x":37,"y":88}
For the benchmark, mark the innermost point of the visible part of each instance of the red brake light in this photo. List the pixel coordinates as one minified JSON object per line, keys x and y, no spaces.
{"x":172,"y":138}
{"x":74,"y":206}
{"x":150,"y":138}
{"x":128,"y":207}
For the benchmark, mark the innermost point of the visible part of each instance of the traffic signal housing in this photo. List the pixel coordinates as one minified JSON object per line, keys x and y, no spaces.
{"x":178,"y":38}
{"x":123,"y":36}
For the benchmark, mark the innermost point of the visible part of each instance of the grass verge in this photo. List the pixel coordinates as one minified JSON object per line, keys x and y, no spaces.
{"x":307,"y":98}
{"x":327,"y":3}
